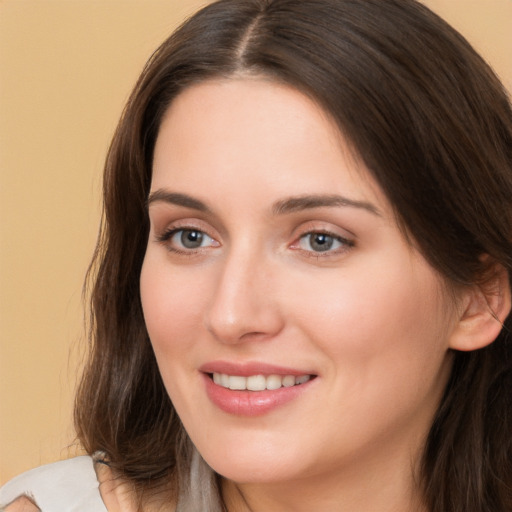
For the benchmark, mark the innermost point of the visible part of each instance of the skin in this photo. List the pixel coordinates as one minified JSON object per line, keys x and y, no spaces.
{"x":22,"y":504}
{"x":369,"y":317}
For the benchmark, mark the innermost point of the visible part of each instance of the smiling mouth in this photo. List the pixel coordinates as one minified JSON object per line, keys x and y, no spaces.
{"x":258,"y":382}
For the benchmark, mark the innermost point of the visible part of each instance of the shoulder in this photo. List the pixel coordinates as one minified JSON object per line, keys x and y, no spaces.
{"x":67,"y":486}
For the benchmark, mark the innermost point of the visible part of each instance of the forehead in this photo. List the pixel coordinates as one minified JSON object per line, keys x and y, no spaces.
{"x":252,"y":106}
{"x":259,"y":131}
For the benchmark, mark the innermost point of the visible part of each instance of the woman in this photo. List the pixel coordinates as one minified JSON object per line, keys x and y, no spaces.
{"x":301,"y":292}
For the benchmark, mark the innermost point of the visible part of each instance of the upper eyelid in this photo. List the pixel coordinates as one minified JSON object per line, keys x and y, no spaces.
{"x":160,"y":212}
{"x":201,"y":210}
{"x":328,"y":228}
{"x":169,"y":231}
{"x":192,"y":223}
{"x":336,"y":236}
{"x":342,"y":239}
{"x":329,"y":232}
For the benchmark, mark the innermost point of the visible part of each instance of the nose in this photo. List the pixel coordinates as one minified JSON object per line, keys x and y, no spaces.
{"x":244,"y":303}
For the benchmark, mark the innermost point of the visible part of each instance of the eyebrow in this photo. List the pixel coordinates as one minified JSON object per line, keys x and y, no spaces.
{"x":177,"y":199}
{"x":307,"y":202}
{"x":282,"y":207}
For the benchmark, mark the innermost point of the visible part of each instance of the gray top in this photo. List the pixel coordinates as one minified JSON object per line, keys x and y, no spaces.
{"x":67,"y":486}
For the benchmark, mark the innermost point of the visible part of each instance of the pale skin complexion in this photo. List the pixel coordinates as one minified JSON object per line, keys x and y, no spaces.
{"x":240,"y":267}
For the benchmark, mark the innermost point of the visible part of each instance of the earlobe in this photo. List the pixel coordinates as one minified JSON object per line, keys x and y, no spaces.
{"x":483,"y":312}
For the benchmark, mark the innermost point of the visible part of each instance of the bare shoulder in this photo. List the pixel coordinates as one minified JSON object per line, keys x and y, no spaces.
{"x":22,"y":504}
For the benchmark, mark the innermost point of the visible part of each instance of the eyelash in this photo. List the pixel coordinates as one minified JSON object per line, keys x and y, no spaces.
{"x":167,"y":236}
{"x":345,"y":244}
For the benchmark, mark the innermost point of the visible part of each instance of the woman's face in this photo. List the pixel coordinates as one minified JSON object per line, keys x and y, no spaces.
{"x":275,"y":267}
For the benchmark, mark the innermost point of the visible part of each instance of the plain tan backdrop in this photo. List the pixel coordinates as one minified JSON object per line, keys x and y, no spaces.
{"x":66,"y":69}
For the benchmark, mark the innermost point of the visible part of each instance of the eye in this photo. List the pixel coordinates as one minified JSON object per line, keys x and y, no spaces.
{"x":323,"y":242}
{"x":191,"y":238}
{"x":186,"y":239}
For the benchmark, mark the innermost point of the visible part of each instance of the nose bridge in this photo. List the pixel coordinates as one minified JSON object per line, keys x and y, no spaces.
{"x":242,"y":305}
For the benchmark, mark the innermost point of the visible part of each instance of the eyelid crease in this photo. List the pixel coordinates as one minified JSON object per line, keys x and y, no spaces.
{"x":168,"y":233}
{"x":334,"y":229}
{"x":340,"y":238}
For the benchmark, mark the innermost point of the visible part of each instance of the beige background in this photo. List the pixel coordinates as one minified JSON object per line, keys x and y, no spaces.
{"x":66,"y":68}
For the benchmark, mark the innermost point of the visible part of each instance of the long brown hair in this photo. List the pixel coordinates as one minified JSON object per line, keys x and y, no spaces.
{"x":433,"y":125}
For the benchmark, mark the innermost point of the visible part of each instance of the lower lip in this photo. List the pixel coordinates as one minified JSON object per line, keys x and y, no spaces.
{"x":251,"y":403}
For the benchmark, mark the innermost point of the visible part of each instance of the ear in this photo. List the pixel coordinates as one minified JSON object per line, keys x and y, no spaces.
{"x":482,"y":313}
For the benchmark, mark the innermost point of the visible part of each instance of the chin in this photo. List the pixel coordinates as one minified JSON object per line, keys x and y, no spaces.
{"x":254,"y":472}
{"x":243,"y":463}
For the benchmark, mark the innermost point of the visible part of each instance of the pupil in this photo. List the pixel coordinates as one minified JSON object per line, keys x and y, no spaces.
{"x":321,"y":242}
{"x":191,"y":239}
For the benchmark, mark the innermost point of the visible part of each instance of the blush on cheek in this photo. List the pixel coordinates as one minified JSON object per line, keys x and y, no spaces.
{"x":168,"y":303}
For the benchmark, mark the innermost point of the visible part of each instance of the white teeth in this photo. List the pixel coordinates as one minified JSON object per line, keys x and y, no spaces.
{"x":274,"y":382}
{"x":302,"y":379}
{"x":289,"y":381}
{"x":236,"y":382}
{"x":258,"y":382}
{"x":224,"y":380}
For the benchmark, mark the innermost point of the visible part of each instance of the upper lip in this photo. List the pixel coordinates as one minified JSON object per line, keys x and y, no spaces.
{"x":250,"y":368}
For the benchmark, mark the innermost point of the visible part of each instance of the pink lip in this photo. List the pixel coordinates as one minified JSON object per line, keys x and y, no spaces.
{"x":250,"y":368}
{"x":250,"y":403}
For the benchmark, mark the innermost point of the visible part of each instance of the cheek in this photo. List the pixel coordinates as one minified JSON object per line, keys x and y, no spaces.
{"x":378,"y":320}
{"x":384,"y":341}
{"x":171,"y":302}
